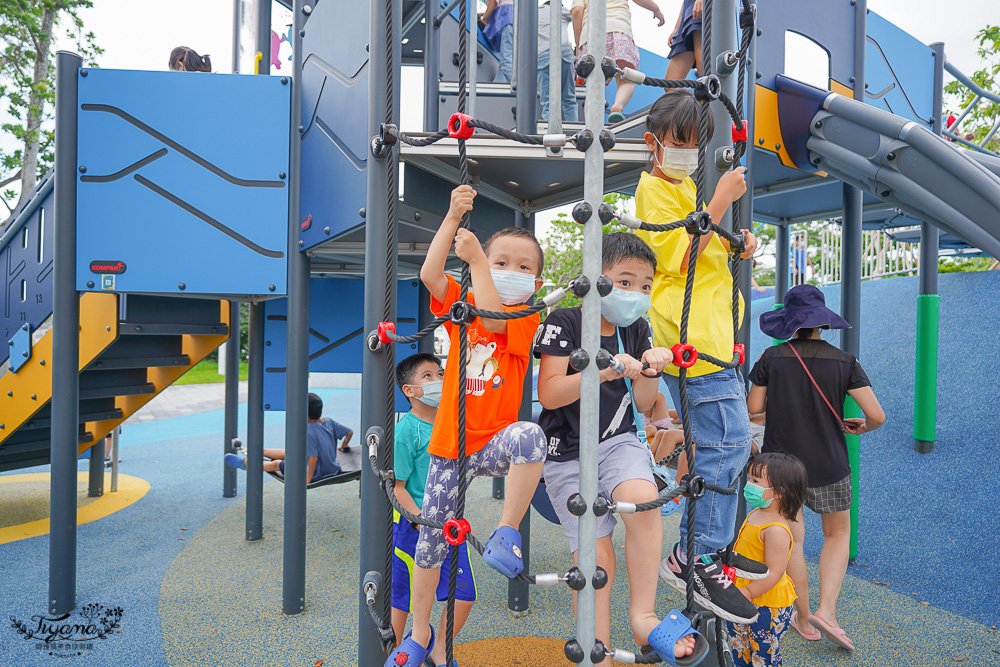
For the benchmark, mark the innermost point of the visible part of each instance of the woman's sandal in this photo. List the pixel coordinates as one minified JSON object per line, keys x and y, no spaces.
{"x":615,"y":117}
{"x":813,"y":636}
{"x":671,"y":629}
{"x":835,"y":635}
{"x":409,"y":653}
{"x":503,"y":552}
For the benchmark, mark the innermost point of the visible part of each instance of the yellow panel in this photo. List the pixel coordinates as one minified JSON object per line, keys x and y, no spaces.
{"x":841,"y":89}
{"x":31,"y":387}
{"x":195,"y":347}
{"x":766,"y":126}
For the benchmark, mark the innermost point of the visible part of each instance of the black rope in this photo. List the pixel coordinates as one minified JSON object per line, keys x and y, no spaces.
{"x":420,"y":335}
{"x":533,"y":139}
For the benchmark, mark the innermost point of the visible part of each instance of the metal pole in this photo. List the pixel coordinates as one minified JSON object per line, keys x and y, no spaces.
{"x":114,"y":458}
{"x":746,"y":205}
{"x":95,"y":470}
{"x":255,"y":425}
{"x":231,"y":418}
{"x":525,"y":59}
{"x":929,"y":302}
{"x":593,"y":189}
{"x":555,"y":119}
{"x":781,"y":267}
{"x":379,"y":294}
{"x":472,"y":64}
{"x":65,"y":347}
{"x":432,"y":64}
{"x":236,"y":35}
{"x":714,"y":50}
{"x":297,"y":377}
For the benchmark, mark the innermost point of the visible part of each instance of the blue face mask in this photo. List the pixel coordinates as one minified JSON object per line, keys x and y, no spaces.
{"x":754,"y":494}
{"x":622,"y":307}
{"x":512,"y":286}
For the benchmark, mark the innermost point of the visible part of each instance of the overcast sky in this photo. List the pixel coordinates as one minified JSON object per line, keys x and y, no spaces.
{"x":139,"y":34}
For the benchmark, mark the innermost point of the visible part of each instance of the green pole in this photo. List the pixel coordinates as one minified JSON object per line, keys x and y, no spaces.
{"x":776,"y":341}
{"x":851,"y":409}
{"x":925,"y":381}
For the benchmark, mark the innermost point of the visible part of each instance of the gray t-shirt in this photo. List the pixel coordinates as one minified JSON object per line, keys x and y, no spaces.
{"x":321,"y":442}
{"x":544,"y":11}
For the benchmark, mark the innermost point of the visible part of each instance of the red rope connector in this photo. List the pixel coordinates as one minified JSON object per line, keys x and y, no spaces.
{"x":740,"y":135}
{"x":458,"y":126}
{"x":685,"y":355}
{"x":741,"y":350}
{"x":730,"y":572}
{"x":383,"y":332}
{"x":455,"y":531}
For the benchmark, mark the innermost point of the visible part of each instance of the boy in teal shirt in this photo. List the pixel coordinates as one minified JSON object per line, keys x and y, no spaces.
{"x":420,"y":377}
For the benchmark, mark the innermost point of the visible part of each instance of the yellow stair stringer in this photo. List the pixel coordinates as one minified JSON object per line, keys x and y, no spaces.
{"x":24,"y":393}
{"x":196,"y":347}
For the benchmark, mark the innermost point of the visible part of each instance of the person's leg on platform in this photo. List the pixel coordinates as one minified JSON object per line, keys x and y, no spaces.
{"x":569,"y":106}
{"x":543,"y":83}
{"x":833,"y":559}
{"x":274,"y":454}
{"x":625,"y":91}
{"x":643,"y":548}
{"x":680,"y":65}
{"x":503,"y":74}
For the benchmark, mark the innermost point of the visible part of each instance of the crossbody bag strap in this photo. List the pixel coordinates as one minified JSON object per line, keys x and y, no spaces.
{"x":840,"y":418}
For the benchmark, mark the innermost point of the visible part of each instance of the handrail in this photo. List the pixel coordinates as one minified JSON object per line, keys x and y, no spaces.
{"x":444,"y":12}
{"x":15,"y":225}
{"x":969,"y":83}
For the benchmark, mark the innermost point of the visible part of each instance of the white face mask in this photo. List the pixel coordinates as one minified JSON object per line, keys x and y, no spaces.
{"x":432,"y":392}
{"x":678,"y":163}
{"x":512,"y":286}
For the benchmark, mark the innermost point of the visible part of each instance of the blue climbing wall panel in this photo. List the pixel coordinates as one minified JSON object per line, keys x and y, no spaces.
{"x":899,"y":72}
{"x":334,"y":120}
{"x":26,"y":262}
{"x":336,"y":333}
{"x":182,"y":181}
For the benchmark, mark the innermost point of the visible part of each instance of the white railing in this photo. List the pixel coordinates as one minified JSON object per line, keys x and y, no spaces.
{"x":881,"y":256}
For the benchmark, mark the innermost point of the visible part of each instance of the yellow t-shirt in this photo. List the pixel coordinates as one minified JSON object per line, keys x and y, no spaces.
{"x":710,"y":325}
{"x":749,"y":544}
{"x":619,"y":18}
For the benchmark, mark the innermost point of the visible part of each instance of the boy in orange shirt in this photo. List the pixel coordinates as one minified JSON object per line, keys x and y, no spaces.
{"x":505,"y":273}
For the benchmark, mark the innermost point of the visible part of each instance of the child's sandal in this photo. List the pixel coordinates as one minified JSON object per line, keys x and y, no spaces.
{"x":672,"y":629}
{"x":409,"y":653}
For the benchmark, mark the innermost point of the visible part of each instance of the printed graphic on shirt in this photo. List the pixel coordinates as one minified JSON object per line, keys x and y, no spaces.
{"x":480,"y":366}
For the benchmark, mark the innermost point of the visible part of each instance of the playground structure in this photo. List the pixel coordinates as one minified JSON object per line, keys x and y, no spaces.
{"x":157,"y":309}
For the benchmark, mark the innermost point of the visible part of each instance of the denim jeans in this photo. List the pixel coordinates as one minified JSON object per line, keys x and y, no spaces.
{"x":720,"y":427}
{"x":506,"y":55}
{"x":569,"y":106}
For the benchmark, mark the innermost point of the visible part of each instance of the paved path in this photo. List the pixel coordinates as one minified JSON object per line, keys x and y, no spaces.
{"x":185,"y":399}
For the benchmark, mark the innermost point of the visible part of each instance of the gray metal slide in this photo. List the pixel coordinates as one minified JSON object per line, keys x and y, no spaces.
{"x":896,"y":160}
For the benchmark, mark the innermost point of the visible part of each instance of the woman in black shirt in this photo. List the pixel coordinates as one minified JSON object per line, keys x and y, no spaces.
{"x":802,"y":385}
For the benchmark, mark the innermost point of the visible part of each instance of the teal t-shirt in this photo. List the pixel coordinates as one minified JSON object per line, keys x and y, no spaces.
{"x":411,"y":460}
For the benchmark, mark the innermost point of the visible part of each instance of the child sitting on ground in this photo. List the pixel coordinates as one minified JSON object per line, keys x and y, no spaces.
{"x":322,"y":435}
{"x":624,"y":473}
{"x":776,"y":488}
{"x":420,"y":377}
{"x":505,"y":273}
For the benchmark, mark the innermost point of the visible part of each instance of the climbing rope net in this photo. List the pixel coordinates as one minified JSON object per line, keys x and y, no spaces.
{"x":462,"y":127}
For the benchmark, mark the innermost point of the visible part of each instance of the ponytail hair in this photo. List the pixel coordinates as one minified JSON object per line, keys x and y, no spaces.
{"x":186,"y":59}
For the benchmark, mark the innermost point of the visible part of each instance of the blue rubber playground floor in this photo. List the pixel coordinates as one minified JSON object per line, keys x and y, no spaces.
{"x":193,"y":592}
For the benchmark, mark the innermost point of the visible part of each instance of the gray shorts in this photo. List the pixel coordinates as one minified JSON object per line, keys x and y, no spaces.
{"x":619,"y":459}
{"x":757,"y":435}
{"x":831,"y":498}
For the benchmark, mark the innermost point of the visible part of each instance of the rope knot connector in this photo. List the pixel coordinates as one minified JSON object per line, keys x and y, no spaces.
{"x":387,"y":134}
{"x":607,"y":139}
{"x":685,"y":354}
{"x":748,"y":17}
{"x":695,"y":486}
{"x":583,"y":140}
{"x":608,"y":68}
{"x":708,"y":88}
{"x":698,"y":223}
{"x":740,"y":134}
{"x":455,"y":531}
{"x":740,"y":352}
{"x":459,"y":127}
{"x":461,"y":313}
{"x":384,"y":329}
{"x":586,"y":65}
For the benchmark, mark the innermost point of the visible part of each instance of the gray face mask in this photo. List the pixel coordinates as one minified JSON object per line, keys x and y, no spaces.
{"x":432,"y":392}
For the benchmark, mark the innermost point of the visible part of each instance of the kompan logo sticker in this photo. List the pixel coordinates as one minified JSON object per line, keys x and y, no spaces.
{"x":101,"y":266}
{"x":62,"y":636}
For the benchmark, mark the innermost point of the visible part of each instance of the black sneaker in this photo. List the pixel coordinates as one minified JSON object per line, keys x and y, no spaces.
{"x":744,"y":567}
{"x":713,"y":589}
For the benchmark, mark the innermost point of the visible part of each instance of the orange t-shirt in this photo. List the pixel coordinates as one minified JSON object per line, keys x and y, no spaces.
{"x":495,"y":368}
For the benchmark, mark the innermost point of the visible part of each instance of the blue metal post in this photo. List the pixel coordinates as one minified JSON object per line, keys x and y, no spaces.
{"x":297,"y":378}
{"x":65,"y":346}
{"x":232,"y":397}
{"x":95,"y":470}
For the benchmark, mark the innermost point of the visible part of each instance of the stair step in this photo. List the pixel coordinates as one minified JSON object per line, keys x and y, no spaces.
{"x":120,"y":363}
{"x":120,"y":390}
{"x":149,"y":309}
{"x":28,"y":460}
{"x":34,"y":441}
{"x":155,"y":329}
{"x":92,"y":416}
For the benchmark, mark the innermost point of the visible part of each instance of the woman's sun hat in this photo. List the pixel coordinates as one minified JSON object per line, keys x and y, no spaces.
{"x":804,"y":308}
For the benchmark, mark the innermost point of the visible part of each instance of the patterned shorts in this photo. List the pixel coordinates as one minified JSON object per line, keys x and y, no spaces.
{"x":521,"y":442}
{"x":759,"y":644}
{"x":619,"y":46}
{"x":831,"y":498}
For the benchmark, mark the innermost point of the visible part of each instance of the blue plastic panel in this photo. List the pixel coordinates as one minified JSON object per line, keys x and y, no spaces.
{"x":334,"y":120}
{"x":899,"y":72}
{"x":828,"y":23}
{"x":336,"y":328}
{"x":26,"y":263}
{"x":652,"y":65}
{"x":183,"y":182}
{"x":20,"y":348}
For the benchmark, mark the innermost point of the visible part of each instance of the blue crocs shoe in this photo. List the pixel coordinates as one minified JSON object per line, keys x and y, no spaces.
{"x":671,"y":629}
{"x":503,"y":552}
{"x":234,"y":461}
{"x":409,"y":653}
